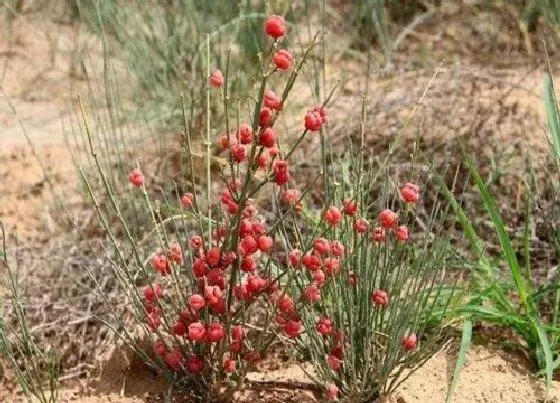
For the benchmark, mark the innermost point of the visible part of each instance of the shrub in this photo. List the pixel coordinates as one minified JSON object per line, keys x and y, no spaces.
{"x":215,"y":288}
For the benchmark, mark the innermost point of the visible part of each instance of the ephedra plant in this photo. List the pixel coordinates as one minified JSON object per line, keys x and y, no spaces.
{"x":216,"y":283}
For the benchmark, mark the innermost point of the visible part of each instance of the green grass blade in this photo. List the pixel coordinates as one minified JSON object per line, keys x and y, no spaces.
{"x":547,"y":352}
{"x":463,"y":350}
{"x":552,"y":115}
{"x":503,"y":236}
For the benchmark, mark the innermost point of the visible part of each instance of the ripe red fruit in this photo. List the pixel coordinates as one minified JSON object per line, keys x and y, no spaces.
{"x":332,"y":391}
{"x":294,"y":257}
{"x":388,"y":218}
{"x":238,"y":153}
{"x":265,"y":243}
{"x":275,"y":26}
{"x":409,"y":342}
{"x":283,"y":60}
{"x":232,"y":207}
{"x":215,"y":278}
{"x":402,"y":233}
{"x":161,"y":264}
{"x":174,"y":359}
{"x":262,"y":160}
{"x":259,"y":228}
{"x":267,"y":138}
{"x":249,"y":264}
{"x":215,"y":332}
{"x":224,"y":142}
{"x":286,"y":304}
{"x":360,"y":226}
{"x":324,"y":326}
{"x":311,"y":262}
{"x":159,"y":348}
{"x":187,"y":200}
{"x":315,"y":118}
{"x":409,"y":193}
{"x":153,"y":291}
{"x":196,"y":242}
{"x":199,"y":268}
{"x":337,"y":248}
{"x":265,"y":117}
{"x":175,"y":253}
{"x":379,"y":234}
{"x":380,"y":298}
{"x":249,"y":244}
{"x":245,"y":133}
{"x":196,"y":332}
{"x":281,"y":172}
{"x":212,"y":294}
{"x":334,"y":362}
{"x":136,"y":178}
{"x":290,"y":196}
{"x":179,"y":329}
{"x":321,"y":246}
{"x":271,"y":100}
{"x":229,"y":365}
{"x":319,"y":277}
{"x":195,"y":365}
{"x":311,"y":293}
{"x":350,"y":206}
{"x":292,"y":328}
{"x":331,"y":265}
{"x":216,"y":79}
{"x":196,"y":302}
{"x":213,"y":257}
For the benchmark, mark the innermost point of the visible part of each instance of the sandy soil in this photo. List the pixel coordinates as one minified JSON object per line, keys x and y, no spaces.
{"x":490,"y":375}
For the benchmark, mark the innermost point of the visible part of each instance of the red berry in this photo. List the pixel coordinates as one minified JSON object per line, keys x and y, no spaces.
{"x":324,"y":326}
{"x":215,"y":332}
{"x":267,"y":138}
{"x":265,"y":117}
{"x":334,"y":362}
{"x":332,"y":391}
{"x":213,"y":257}
{"x":311,"y":262}
{"x":238,"y":152}
{"x":311,"y":293}
{"x":216,"y":79}
{"x":292,"y":328}
{"x":388,"y":218}
{"x":196,"y":332}
{"x":179,"y":329}
{"x":409,"y":342}
{"x":229,"y":365}
{"x":360,"y":226}
{"x":283,"y":60}
{"x":196,"y":302}
{"x":275,"y":26}
{"x":153,"y":291}
{"x":195,"y":365}
{"x":159,"y":348}
{"x":187,"y":200}
{"x":265,"y":243}
{"x":409,"y":193}
{"x":402,"y":233}
{"x":136,"y":178}
{"x":333,"y":216}
{"x":161,"y":264}
{"x":271,"y":100}
{"x":321,"y":246}
{"x":245,"y":133}
{"x":350,"y":207}
{"x":174,"y":359}
{"x":380,"y":298}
